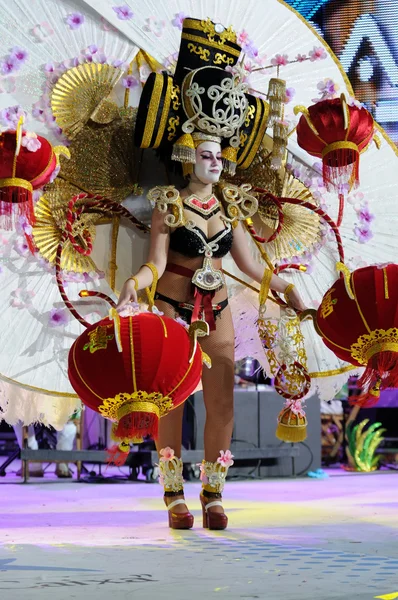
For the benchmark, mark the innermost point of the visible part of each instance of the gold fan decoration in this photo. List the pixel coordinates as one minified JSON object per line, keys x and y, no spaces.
{"x":82,"y":94}
{"x":57,"y":196}
{"x":103,"y":158}
{"x":259,"y":174}
{"x":47,"y":235}
{"x":301,"y":227}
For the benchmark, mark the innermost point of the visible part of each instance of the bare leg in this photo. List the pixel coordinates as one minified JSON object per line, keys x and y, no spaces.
{"x":218,"y":389}
{"x":170,"y":426}
{"x":170,"y":431}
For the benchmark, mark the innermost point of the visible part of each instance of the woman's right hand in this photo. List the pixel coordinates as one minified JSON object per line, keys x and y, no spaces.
{"x":128,"y":294}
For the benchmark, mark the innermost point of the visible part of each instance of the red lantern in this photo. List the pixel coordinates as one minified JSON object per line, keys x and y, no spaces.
{"x":338,"y":133}
{"x":358,"y":321}
{"x":23,"y":168}
{"x":136,"y":371}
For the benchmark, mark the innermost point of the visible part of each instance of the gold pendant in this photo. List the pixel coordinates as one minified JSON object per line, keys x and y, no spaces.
{"x":207,"y":278}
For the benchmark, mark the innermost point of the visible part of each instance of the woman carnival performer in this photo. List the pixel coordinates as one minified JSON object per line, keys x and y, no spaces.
{"x":201,"y":117}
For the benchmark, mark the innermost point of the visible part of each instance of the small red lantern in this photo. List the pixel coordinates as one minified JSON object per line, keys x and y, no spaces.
{"x":134,"y":370}
{"x":338,"y":133}
{"x":24,"y":166}
{"x":358,"y":321}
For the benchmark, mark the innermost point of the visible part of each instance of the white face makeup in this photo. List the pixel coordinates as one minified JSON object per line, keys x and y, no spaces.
{"x":208,"y":165}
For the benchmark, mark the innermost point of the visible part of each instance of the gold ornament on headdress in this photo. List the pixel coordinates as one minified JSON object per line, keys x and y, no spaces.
{"x":221,"y":123}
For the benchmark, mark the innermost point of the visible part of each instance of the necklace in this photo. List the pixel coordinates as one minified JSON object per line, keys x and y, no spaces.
{"x":208,"y":278}
{"x":204,"y":208}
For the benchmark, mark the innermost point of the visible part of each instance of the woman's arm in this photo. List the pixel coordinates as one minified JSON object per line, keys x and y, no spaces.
{"x":245,"y":263}
{"x":158,"y":250}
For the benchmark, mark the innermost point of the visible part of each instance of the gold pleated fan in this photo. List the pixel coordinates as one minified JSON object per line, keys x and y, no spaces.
{"x":102,"y":158}
{"x":81,"y":94}
{"x":301,"y":227}
{"x":58,"y":195}
{"x":47,"y":235}
{"x":259,"y":174}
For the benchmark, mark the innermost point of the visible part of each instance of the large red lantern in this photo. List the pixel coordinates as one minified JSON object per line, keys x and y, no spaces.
{"x":336,"y":132}
{"x":358,"y":321}
{"x":27,"y":163}
{"x":134,"y":370}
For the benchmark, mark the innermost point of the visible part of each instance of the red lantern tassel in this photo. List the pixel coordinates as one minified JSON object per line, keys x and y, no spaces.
{"x":137,"y":425}
{"x":117,"y":455}
{"x":381,"y":373}
{"x":19,"y":198}
{"x":340,"y":167}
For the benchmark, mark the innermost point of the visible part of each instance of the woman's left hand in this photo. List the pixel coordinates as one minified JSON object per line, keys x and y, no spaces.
{"x":295,"y":300}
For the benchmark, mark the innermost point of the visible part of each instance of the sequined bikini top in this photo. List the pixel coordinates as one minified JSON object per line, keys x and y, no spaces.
{"x":185,"y":239}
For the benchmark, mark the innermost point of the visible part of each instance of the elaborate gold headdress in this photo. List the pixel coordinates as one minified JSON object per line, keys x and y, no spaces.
{"x":202,"y":101}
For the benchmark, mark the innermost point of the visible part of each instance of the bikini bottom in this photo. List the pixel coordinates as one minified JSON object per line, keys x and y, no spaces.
{"x":184,"y":309}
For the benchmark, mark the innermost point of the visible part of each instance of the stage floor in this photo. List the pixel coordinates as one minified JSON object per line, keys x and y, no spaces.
{"x":302,"y":539}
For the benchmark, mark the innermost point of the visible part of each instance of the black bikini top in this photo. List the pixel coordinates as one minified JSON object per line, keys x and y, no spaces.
{"x":188,"y":243}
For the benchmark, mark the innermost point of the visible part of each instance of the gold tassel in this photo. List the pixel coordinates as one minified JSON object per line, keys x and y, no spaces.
{"x":184,"y":149}
{"x":280,"y":135}
{"x":187,"y":169}
{"x":230,"y":158}
{"x":291,"y":427}
{"x":276,"y":99}
{"x":287,"y":433}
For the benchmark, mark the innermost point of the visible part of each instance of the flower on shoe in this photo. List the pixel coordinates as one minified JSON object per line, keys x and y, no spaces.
{"x":301,"y":57}
{"x":31,"y":142}
{"x":225,"y":458}
{"x":203,"y":477}
{"x":166,"y":454}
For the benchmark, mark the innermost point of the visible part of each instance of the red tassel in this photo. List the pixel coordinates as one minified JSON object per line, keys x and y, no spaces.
{"x":381,"y":373}
{"x":137,"y":425}
{"x":31,"y":244}
{"x":366,"y":400}
{"x":15,"y":203}
{"x":116,"y":456}
{"x":340,"y":167}
{"x":383,"y":367}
